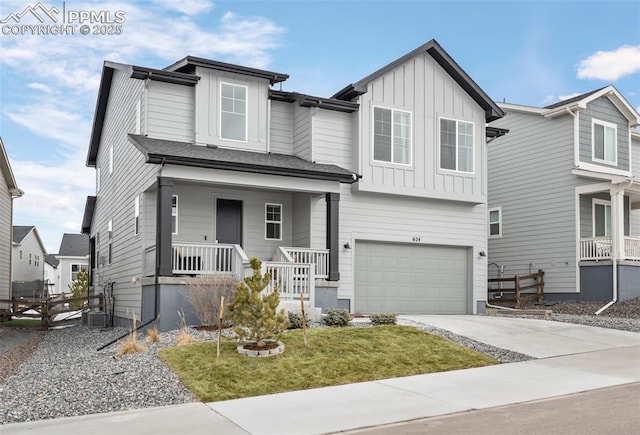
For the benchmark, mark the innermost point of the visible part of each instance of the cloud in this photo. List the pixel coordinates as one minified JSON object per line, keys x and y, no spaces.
{"x":611,"y":65}
{"x":187,"y":7}
{"x":566,"y":97}
{"x":40,"y":87}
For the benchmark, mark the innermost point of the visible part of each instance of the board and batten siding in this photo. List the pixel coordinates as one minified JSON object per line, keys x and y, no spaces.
{"x":401,"y":219}
{"x":422,"y":87}
{"x":207,"y":109}
{"x":116,"y":198}
{"x":197,"y":216}
{"x":5,"y":240}
{"x":603,"y":109}
{"x":169,"y":111}
{"x":530,"y":177}
{"x":281,"y":140}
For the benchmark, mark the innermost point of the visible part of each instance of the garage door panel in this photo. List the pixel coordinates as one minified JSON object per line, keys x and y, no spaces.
{"x":410,"y":278}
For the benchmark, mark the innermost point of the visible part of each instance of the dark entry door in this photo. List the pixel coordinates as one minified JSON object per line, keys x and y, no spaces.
{"x":229,"y":221}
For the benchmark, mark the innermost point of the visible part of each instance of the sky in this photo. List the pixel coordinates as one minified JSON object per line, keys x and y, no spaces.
{"x":524,"y":52}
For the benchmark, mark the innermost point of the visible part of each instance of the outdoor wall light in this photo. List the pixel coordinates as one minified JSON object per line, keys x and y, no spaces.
{"x":347,"y":246}
{"x":482,"y":254}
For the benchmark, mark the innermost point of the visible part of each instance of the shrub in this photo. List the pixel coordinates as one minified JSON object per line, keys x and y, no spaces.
{"x":153,"y":335}
{"x":253,"y":313}
{"x":383,"y":318}
{"x":184,"y":337}
{"x":79,"y":289}
{"x":204,"y":293}
{"x":294,"y":320}
{"x":131,"y":344}
{"x":337,"y":317}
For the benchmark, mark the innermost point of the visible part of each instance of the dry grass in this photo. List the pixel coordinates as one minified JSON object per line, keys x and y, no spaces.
{"x":131,"y":344}
{"x":153,"y":335}
{"x":205,"y":292}
{"x":185,"y":338}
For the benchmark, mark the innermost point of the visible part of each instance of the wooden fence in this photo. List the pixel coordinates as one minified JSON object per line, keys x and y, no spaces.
{"x":520,"y":289}
{"x":47,"y":309}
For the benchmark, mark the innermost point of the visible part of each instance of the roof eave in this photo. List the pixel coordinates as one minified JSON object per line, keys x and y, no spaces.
{"x":101,"y":109}
{"x":191,"y":61}
{"x":87,"y":217}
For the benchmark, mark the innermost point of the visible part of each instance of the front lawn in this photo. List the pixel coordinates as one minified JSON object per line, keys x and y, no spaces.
{"x":334,"y":356}
{"x":23,"y":323}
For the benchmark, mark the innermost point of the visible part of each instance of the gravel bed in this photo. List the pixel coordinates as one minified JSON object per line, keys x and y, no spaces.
{"x":66,"y":376}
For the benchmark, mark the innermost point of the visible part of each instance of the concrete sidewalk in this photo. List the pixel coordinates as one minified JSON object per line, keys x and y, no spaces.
{"x":574,"y":359}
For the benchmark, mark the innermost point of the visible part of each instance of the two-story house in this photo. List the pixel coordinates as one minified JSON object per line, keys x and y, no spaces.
{"x":73,"y":257}
{"x":27,"y":262}
{"x":8,"y":191}
{"x":374,"y":199}
{"x":51,"y":276}
{"x":564,"y":196}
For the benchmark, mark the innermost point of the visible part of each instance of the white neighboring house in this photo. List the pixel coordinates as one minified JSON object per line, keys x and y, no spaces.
{"x":51,"y":276}
{"x":27,"y":262}
{"x":8,"y":191}
{"x":73,"y":257}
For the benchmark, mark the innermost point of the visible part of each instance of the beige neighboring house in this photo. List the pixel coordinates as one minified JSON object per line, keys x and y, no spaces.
{"x":8,"y":191}
{"x":73,"y":257}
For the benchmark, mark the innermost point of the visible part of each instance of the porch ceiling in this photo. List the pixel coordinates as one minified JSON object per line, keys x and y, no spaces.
{"x":161,"y":151}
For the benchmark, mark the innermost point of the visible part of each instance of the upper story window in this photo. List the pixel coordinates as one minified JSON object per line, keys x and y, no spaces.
{"x":456,"y":145}
{"x":233,"y":112}
{"x":98,"y":179}
{"x":136,"y":216}
{"x":391,"y":136}
{"x":495,"y":222}
{"x":604,"y":141}
{"x":174,"y":214}
{"x":273,"y":221}
{"x":111,"y":160}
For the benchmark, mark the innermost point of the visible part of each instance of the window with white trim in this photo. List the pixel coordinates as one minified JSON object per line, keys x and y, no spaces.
{"x":456,"y":145}
{"x":75,"y":269}
{"x":136,"y":216}
{"x":98,"y":179}
{"x":21,"y":255}
{"x":273,"y":221}
{"x":111,"y":160}
{"x":233,"y":112}
{"x":601,"y":218}
{"x":604,"y":141}
{"x":109,"y":242}
{"x":98,"y":259}
{"x":391,"y":136}
{"x":174,"y":214}
{"x":495,"y":222}
{"x":37,"y":261}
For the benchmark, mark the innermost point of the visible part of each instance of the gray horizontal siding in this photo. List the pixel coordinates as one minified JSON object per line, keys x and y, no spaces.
{"x":281,"y":127}
{"x":5,"y":240}
{"x":332,"y":138}
{"x":530,"y":177}
{"x":302,"y":132}
{"x":169,"y":111}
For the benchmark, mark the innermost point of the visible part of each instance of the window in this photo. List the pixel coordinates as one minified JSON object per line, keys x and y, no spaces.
{"x":21,"y":255}
{"x":138,"y":127}
{"x":233,"y":112}
{"x":604,"y":141}
{"x":109,"y":242}
{"x":37,"y":260}
{"x":75,"y":268}
{"x":98,"y":259}
{"x":30,"y":259}
{"x":174,"y":214}
{"x":273,"y":221}
{"x":456,"y":145}
{"x":601,"y":218}
{"x":495,"y":222}
{"x":136,"y":216}
{"x":391,"y":136}
{"x":98,"y":179}
{"x":111,"y":160}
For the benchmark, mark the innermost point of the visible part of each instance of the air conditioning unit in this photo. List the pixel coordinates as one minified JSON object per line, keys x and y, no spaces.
{"x":85,"y":318}
{"x":96,"y":319}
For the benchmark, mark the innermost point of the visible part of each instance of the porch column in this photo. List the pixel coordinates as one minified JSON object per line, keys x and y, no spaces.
{"x":333,"y":202}
{"x":163,"y":227}
{"x":617,"y":221}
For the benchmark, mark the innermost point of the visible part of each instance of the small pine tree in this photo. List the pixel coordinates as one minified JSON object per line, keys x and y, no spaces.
{"x":255,"y":314}
{"x":79,"y":288}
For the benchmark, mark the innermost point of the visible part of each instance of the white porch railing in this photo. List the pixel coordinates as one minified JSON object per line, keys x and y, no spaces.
{"x":292,"y":279}
{"x":205,"y":259}
{"x":318,"y":257}
{"x":595,"y":248}
{"x":632,"y":248}
{"x":599,"y":248}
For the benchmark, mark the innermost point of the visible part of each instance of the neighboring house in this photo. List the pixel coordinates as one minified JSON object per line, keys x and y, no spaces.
{"x":564,"y":196}
{"x":8,"y":191}
{"x":27,"y":262}
{"x":74,"y":257}
{"x":374,"y":199}
{"x":51,"y":275}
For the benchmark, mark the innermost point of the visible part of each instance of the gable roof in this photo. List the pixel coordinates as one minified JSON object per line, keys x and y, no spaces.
{"x":7,"y":173}
{"x":581,"y":101}
{"x":51,"y":260}
{"x":74,"y":245}
{"x":160,"y":151}
{"x":20,"y":232}
{"x":491,"y":109}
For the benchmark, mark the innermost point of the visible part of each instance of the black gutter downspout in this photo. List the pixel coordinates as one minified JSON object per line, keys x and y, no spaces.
{"x":333,"y":202}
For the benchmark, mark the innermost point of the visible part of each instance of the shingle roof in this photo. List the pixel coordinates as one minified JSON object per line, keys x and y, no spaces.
{"x":187,"y":154}
{"x":51,"y":260}
{"x":74,"y":245}
{"x":574,"y":99}
{"x":20,"y":232}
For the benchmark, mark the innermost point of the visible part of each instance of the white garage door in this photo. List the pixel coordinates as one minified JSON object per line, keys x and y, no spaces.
{"x":410,"y":279}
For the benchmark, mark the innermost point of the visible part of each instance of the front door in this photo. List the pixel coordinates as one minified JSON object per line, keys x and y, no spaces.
{"x":229,"y":221}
